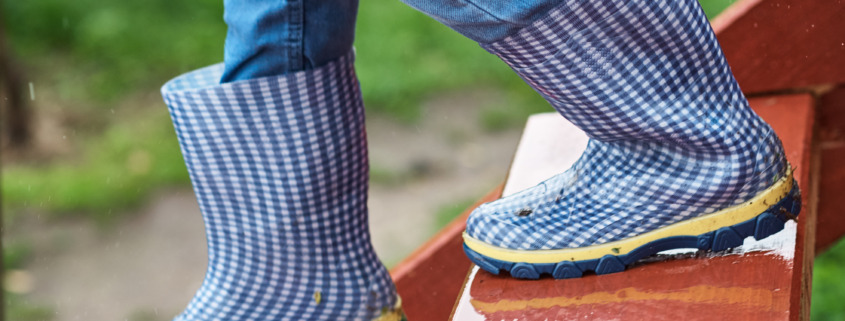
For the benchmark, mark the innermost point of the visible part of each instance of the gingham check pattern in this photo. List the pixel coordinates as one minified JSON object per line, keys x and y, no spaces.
{"x":279,"y":167}
{"x":672,"y":136}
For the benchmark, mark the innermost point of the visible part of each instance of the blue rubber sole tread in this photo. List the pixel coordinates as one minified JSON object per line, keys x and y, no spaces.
{"x":769,"y":222}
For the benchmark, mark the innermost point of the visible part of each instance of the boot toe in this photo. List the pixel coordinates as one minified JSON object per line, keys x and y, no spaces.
{"x":498,"y":228}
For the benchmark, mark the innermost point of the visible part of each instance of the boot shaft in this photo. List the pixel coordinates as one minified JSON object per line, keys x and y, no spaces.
{"x":648,"y":75}
{"x":635,"y":70}
{"x":292,"y":148}
{"x":279,"y":167}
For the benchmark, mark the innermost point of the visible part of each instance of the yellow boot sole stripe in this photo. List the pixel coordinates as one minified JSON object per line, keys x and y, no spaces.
{"x":692,"y":227}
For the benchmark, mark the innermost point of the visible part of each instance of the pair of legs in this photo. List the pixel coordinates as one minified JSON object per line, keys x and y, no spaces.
{"x":275,"y":145}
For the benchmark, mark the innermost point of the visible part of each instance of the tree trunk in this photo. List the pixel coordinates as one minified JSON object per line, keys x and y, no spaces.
{"x":18,"y":116}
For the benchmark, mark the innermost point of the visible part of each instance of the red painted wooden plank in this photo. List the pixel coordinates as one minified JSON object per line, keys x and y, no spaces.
{"x":752,"y":286}
{"x":783,"y":44}
{"x":832,"y":116}
{"x":793,"y":119}
{"x":667,"y":290}
{"x":430,"y":278}
{"x":831,"y":225}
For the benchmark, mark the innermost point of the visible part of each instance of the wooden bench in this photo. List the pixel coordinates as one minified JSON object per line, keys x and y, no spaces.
{"x":789,"y":58}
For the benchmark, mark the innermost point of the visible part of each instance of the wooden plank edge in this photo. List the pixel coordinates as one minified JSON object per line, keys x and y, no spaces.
{"x":464,"y":286}
{"x":830,"y":139}
{"x":802,"y":275}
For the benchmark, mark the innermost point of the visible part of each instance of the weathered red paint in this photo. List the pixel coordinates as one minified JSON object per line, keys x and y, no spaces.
{"x":717,"y":288}
{"x":793,"y":118}
{"x":831,"y":141}
{"x":776,"y":45}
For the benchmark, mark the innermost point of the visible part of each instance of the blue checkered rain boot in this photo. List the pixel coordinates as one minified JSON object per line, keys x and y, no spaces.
{"x":279,"y":167}
{"x":676,"y":158}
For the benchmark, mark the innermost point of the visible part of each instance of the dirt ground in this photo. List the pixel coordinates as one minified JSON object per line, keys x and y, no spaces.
{"x":147,"y":267}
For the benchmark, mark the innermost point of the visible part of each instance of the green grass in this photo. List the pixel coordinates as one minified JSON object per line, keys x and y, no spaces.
{"x":108,"y":49}
{"x":448,"y":212}
{"x":116,"y":170}
{"x":713,"y":7}
{"x":93,"y":54}
{"x":417,"y":56}
{"x":16,"y":254}
{"x":829,"y":285}
{"x":98,"y":51}
{"x":511,"y":113}
{"x":21,"y":309}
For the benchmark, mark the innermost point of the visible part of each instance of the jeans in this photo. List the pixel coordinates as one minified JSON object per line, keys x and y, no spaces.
{"x":268,"y":38}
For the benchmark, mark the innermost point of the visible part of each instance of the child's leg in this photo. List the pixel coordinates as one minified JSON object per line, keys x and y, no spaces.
{"x":484,"y":21}
{"x":270,"y":38}
{"x":277,"y":155}
{"x":672,"y":138}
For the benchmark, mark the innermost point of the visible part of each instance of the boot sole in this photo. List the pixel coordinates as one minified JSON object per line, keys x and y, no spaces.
{"x":717,"y":231}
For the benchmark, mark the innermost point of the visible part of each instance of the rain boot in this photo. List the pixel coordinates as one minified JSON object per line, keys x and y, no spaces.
{"x":279,"y":167}
{"x":676,"y":158}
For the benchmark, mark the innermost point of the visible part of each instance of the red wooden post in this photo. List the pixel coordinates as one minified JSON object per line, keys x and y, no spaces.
{"x":831,"y":143}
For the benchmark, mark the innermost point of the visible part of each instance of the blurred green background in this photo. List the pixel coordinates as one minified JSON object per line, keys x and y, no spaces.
{"x":97,"y":65}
